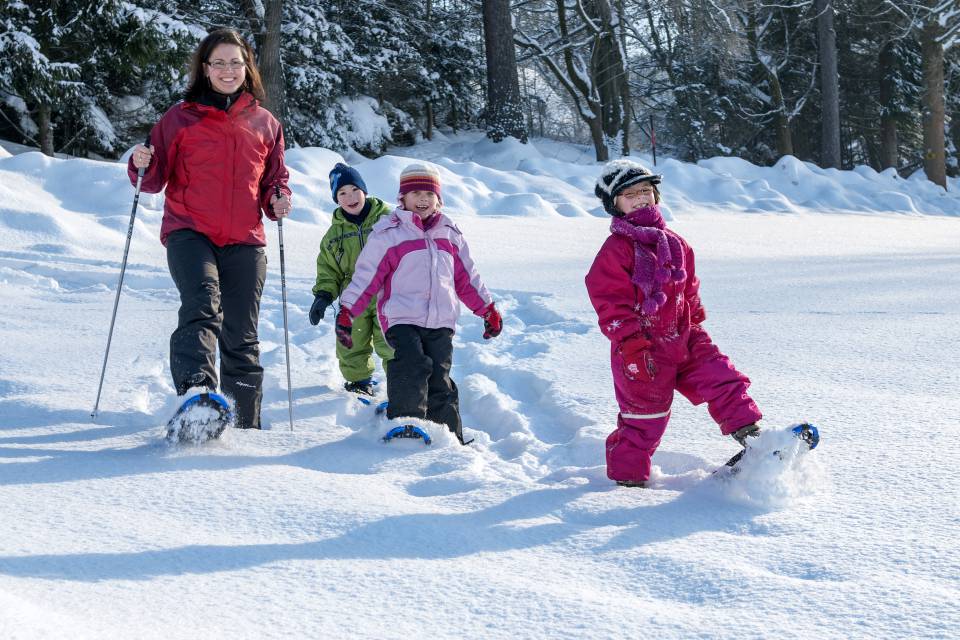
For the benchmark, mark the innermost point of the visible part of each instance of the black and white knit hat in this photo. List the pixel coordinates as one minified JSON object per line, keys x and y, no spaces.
{"x":616,"y":176}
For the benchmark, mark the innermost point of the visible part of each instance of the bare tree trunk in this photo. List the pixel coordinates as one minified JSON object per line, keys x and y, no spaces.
{"x":829,"y":85}
{"x":778,"y":104}
{"x":955,"y":130}
{"x":609,"y":75}
{"x":271,"y":68}
{"x":504,"y":111}
{"x":625,"y":80}
{"x":428,"y":105}
{"x":566,"y":61}
{"x":889,"y":153}
{"x":454,"y":117}
{"x":46,"y":130}
{"x":599,"y":141}
{"x":429,"y":131}
{"x":784,"y":137}
{"x":934,"y":160}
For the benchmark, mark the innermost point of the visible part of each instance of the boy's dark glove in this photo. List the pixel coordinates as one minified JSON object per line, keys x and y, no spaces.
{"x":321,"y":301}
{"x":344,"y":328}
{"x":492,"y":323}
{"x":750,"y":431}
{"x":637,"y":361}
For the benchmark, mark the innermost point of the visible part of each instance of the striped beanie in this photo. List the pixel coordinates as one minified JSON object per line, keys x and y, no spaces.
{"x":420,"y":177}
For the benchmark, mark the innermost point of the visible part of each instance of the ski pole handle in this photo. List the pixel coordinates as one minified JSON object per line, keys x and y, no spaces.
{"x":143,"y":170}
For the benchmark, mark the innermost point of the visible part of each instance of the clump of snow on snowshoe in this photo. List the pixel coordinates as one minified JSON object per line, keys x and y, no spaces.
{"x":775,"y":471}
{"x":203,"y":415}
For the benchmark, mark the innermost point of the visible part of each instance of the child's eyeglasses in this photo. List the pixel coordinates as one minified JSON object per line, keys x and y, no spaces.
{"x":646,"y":191}
{"x":220,"y":65}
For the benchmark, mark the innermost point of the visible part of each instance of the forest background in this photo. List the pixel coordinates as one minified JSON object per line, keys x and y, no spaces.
{"x":836,"y":82}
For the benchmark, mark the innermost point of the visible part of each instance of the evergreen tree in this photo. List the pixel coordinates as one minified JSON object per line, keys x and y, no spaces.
{"x":418,"y":59}
{"x":82,"y":75}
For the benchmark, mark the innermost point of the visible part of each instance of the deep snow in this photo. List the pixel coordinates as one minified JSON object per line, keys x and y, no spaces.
{"x":837,"y":292}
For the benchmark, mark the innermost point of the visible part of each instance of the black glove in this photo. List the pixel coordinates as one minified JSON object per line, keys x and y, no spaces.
{"x":321,"y":301}
{"x":749,"y":431}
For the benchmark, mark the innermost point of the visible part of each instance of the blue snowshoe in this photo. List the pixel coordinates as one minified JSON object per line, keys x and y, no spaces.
{"x":202,"y":417}
{"x":808,"y":433}
{"x":407,"y":431}
{"x":805,"y":431}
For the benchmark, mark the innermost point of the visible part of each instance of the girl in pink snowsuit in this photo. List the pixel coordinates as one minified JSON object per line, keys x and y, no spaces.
{"x":645,"y":291}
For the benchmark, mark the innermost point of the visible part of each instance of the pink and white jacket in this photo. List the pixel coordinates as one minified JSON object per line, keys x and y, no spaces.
{"x":419,"y":272}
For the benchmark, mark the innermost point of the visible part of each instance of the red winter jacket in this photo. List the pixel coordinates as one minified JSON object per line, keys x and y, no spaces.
{"x":219,"y":168}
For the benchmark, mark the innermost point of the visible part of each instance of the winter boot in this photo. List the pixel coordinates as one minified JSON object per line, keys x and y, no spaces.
{"x":363,"y":387}
{"x":749,"y":431}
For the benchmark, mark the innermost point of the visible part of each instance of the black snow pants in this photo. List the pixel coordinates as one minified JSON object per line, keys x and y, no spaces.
{"x":220,"y":290}
{"x":418,"y":378}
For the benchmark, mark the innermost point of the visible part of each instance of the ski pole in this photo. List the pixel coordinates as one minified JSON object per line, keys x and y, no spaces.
{"x":283,"y":293}
{"x":123,"y":269}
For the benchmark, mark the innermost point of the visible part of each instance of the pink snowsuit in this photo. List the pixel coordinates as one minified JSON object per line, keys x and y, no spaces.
{"x":681,"y":355}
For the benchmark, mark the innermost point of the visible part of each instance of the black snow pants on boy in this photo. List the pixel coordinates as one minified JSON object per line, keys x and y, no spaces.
{"x":418,"y":378}
{"x":220,"y":290}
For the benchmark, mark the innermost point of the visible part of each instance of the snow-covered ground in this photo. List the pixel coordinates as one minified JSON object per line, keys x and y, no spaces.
{"x":837,"y":292}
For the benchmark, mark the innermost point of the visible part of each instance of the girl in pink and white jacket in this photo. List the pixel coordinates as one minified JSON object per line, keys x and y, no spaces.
{"x":646,"y":294}
{"x":417,"y":263}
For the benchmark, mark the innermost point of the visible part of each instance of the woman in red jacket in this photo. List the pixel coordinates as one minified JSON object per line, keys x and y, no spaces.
{"x":220,"y":156}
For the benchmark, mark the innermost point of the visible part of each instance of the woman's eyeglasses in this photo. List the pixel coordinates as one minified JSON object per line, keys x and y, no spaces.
{"x":220,"y":65}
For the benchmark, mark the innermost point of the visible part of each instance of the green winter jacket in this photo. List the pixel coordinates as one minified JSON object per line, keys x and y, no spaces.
{"x":340,"y":247}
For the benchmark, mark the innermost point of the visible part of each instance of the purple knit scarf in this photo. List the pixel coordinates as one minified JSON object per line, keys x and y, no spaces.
{"x":645,"y":227}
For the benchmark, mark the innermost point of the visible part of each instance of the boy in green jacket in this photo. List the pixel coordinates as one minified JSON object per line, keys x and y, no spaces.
{"x":351,"y":224}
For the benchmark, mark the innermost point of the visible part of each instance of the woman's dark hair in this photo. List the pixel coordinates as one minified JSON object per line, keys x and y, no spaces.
{"x":198,"y":79}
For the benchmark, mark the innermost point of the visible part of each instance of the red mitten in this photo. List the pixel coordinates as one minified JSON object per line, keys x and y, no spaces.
{"x":492,"y":323}
{"x":344,"y":328}
{"x":637,"y":361}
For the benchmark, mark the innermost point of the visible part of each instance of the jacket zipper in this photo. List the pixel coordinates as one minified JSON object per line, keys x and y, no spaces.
{"x":228,"y":220}
{"x":433,"y":267}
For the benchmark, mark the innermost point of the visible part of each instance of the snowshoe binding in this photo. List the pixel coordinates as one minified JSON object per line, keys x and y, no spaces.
{"x":806,"y":432}
{"x":202,"y":417}
{"x":363,"y":390}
